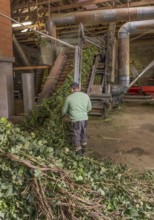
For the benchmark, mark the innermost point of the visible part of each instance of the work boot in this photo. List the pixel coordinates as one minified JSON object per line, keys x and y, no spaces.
{"x":83,"y":149}
{"x":79,"y":151}
{"x":84,"y":145}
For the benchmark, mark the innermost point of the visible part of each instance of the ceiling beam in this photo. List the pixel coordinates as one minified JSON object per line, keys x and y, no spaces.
{"x":131,"y":4}
{"x":77,"y":5}
{"x":20,"y":6}
{"x":63,"y":7}
{"x":82,"y":4}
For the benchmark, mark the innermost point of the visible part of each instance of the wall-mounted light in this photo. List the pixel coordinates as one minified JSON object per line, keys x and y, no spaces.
{"x":23,"y":23}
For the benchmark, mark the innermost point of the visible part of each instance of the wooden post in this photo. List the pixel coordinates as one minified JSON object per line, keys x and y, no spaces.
{"x":110,"y":61}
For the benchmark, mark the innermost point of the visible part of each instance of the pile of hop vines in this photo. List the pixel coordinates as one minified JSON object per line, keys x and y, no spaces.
{"x":42,"y":179}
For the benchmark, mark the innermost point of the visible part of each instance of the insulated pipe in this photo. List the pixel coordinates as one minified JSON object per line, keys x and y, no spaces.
{"x":99,"y":16}
{"x":123,"y":36}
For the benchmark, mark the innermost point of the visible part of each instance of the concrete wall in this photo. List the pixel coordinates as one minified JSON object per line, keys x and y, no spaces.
{"x":141,"y":54}
{"x":6,"y":59}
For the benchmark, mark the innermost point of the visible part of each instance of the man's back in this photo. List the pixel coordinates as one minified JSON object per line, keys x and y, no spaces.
{"x":77,"y":106}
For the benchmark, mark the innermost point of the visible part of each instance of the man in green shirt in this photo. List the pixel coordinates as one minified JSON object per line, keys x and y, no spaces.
{"x":77,"y":105}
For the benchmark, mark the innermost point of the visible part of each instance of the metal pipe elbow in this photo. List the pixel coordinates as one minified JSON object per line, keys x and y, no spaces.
{"x":118,"y":90}
{"x":124,"y":30}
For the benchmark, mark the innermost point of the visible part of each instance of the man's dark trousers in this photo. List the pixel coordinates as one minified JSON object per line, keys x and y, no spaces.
{"x":79,"y":134}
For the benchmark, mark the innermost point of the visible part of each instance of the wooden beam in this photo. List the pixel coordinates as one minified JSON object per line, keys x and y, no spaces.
{"x":52,"y":78}
{"x":62,"y":7}
{"x":20,"y":51}
{"x":140,"y":3}
{"x":110,"y":59}
{"x":131,"y":4}
{"x":20,"y":6}
{"x":18,"y":68}
{"x":81,"y":4}
{"x":77,"y":5}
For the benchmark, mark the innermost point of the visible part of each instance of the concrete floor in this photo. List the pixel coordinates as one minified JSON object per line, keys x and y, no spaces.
{"x":126,"y":137}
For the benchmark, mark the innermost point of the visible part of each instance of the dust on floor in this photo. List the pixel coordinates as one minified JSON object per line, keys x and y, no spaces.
{"x":126,"y":136}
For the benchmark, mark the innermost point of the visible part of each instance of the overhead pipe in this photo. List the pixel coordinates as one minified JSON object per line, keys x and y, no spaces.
{"x":99,"y":16}
{"x":123,"y":36}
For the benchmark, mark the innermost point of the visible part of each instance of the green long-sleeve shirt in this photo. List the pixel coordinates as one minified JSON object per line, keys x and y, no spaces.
{"x":77,"y":105}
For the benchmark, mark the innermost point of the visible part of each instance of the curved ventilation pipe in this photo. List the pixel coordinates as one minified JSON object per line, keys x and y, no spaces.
{"x":99,"y":16}
{"x":123,"y":35}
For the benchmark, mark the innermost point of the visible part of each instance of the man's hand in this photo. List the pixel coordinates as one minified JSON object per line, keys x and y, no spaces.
{"x":66,"y":118}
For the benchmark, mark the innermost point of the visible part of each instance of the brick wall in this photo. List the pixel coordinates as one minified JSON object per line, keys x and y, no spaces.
{"x":5,"y":30}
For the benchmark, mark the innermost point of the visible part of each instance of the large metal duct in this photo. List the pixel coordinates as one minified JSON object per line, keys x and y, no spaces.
{"x":123,"y":35}
{"x":99,"y":16}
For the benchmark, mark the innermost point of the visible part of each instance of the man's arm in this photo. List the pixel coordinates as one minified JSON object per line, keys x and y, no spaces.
{"x":65,"y":107}
{"x":89,"y":106}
